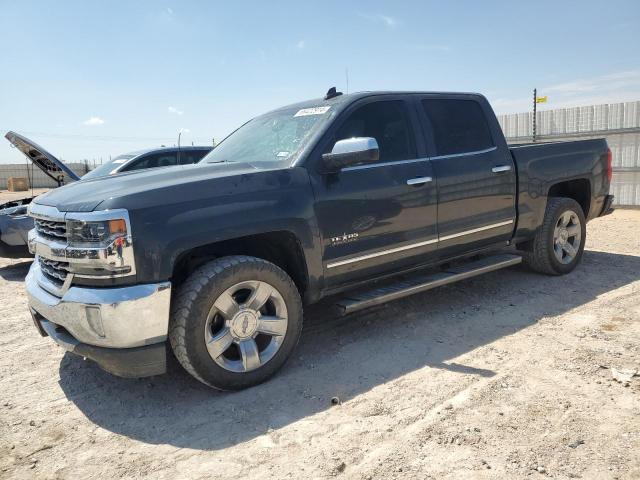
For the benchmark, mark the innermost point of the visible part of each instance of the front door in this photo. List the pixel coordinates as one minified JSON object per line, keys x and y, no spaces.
{"x":476,"y":177}
{"x":377,"y":217}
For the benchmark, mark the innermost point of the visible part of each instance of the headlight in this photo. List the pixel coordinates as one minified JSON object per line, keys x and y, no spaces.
{"x":89,"y":234}
{"x":88,"y":245}
{"x":100,"y":244}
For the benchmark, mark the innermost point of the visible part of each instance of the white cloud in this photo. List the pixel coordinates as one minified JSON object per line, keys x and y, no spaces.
{"x":93,"y":121}
{"x":386,"y":20}
{"x":610,"y":82}
{"x":611,"y":88}
{"x":175,"y":111}
{"x":170,"y":10}
{"x":301,"y":44}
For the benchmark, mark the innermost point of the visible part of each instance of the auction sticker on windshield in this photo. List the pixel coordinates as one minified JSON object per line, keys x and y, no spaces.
{"x":312,"y":111}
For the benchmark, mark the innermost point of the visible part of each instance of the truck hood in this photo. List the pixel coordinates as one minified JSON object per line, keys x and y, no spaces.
{"x":50,"y":165}
{"x":87,"y":195}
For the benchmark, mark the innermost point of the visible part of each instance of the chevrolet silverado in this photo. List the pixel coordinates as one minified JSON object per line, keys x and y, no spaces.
{"x":364,"y":198}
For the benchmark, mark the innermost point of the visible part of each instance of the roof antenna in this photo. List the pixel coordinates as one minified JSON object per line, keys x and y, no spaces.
{"x":332,"y":93}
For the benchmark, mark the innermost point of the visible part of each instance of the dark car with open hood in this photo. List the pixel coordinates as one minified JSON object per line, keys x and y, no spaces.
{"x":363,"y":198}
{"x":14,"y":221}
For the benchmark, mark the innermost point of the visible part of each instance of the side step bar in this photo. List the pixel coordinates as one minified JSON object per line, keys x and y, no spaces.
{"x":421,"y":283}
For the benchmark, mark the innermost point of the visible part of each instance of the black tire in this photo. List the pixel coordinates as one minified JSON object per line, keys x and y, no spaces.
{"x":540,"y":256}
{"x":193,"y":301}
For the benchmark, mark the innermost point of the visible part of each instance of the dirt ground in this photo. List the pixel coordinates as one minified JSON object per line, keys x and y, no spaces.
{"x":7,"y":196}
{"x":508,"y":375}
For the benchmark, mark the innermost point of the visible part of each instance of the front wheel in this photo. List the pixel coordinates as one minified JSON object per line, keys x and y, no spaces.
{"x":235,"y":321}
{"x":559,"y":243}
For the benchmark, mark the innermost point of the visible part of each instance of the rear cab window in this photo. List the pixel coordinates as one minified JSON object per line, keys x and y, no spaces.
{"x":458,"y":126}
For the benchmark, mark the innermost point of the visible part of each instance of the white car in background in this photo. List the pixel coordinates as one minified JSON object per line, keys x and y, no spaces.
{"x":14,"y":222}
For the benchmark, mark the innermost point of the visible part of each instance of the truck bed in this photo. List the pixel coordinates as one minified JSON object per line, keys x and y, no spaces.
{"x":543,"y":165}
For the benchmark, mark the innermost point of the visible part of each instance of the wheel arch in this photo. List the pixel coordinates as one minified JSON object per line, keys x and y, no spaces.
{"x":280,"y":247}
{"x":578,"y":189}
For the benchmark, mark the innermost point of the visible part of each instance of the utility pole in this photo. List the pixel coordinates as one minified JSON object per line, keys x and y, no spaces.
{"x":179,"y":135}
{"x":535,"y":103}
{"x":346,"y":74}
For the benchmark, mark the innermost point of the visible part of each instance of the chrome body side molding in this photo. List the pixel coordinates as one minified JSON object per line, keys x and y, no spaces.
{"x":361,"y":258}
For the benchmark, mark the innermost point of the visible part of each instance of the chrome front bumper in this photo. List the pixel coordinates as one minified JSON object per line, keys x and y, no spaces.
{"x":122,"y":317}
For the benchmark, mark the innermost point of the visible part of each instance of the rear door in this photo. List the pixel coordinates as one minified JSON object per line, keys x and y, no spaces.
{"x":474,"y":170}
{"x":377,"y":217}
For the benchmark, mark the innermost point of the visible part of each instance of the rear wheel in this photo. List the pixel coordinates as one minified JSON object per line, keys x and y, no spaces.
{"x":559,"y":243}
{"x":235,"y":321}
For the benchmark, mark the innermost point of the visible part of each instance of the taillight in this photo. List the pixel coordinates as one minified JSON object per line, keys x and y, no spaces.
{"x":609,"y":164}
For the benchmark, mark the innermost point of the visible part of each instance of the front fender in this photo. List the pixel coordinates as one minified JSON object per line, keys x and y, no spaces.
{"x":261,"y":202}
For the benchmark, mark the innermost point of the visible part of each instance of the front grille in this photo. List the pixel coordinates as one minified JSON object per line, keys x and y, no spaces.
{"x":51,"y":229}
{"x":54,"y":271}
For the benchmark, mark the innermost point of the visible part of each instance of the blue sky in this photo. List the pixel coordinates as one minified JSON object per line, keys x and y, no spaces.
{"x":93,"y":79}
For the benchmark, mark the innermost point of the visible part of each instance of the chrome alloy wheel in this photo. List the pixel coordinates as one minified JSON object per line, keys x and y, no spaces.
{"x":567,"y":236}
{"x":246,"y":326}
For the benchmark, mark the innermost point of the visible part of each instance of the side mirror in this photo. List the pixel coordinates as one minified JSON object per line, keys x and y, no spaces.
{"x":351,"y":151}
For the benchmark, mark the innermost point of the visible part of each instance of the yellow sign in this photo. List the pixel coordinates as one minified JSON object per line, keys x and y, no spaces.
{"x":541,"y":99}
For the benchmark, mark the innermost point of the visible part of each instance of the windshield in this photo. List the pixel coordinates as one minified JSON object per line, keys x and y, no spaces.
{"x":108,"y":167}
{"x":274,"y":137}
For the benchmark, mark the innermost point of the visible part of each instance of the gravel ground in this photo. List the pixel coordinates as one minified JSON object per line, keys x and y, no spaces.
{"x":508,"y":375}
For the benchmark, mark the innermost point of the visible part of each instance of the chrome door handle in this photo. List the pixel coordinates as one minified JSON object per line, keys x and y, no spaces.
{"x":501,"y":168}
{"x":419,"y":180}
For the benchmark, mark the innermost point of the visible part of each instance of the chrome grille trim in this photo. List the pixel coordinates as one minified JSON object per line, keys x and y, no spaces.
{"x":55,"y":230}
{"x":56,"y":271}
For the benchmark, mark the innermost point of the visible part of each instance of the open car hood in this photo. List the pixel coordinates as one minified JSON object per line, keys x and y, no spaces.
{"x":46,"y":162}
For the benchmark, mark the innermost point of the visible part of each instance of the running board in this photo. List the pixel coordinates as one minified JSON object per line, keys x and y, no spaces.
{"x":422,"y":283}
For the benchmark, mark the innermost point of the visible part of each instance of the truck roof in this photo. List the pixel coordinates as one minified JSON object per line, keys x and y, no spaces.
{"x":347,"y":98}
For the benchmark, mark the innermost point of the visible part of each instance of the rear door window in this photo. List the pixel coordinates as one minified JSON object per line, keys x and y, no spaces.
{"x":192,"y":156}
{"x":459,"y":126}
{"x":164,"y":159}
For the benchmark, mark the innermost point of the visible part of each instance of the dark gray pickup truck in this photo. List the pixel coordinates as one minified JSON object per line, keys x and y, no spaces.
{"x":366,"y":198}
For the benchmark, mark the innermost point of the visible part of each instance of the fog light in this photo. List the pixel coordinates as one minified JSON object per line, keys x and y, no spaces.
{"x":94,"y":318}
